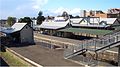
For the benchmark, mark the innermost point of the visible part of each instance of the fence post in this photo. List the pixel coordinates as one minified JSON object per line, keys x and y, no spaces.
{"x":96,"y":58}
{"x":119,"y":55}
{"x":95,"y":44}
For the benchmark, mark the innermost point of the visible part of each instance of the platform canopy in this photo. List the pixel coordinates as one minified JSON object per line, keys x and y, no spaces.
{"x":87,"y":31}
{"x":52,"y":25}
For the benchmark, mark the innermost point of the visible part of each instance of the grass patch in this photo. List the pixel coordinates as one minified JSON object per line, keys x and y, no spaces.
{"x":13,"y":60}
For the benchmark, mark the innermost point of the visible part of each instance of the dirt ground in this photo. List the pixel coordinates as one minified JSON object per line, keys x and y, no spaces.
{"x":44,"y":55}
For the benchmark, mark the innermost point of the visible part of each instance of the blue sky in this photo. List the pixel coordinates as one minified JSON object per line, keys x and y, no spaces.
{"x":21,"y":8}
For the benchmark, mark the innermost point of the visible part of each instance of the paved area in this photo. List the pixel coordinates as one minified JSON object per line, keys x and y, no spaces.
{"x":44,"y":56}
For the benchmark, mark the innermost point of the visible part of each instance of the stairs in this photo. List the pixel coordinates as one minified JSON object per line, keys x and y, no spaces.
{"x":108,"y":47}
{"x":76,"y":53}
{"x":96,"y":45}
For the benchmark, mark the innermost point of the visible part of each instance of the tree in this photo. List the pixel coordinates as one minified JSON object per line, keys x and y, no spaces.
{"x":11,"y":20}
{"x":26,"y":20}
{"x":65,"y":15}
{"x":40,"y":18}
{"x":77,"y":16}
{"x":40,"y":13}
{"x":71,"y":16}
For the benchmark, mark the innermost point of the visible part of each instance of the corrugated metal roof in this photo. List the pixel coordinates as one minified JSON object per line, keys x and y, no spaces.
{"x":85,"y":25}
{"x":59,"y":18}
{"x":76,"y":20}
{"x":95,"y":22}
{"x":52,"y":25}
{"x":87,"y":31}
{"x":14,"y":28}
{"x":108,"y":20}
{"x":18,"y":26}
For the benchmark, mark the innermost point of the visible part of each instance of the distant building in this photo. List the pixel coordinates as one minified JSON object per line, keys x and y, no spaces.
{"x":96,"y":13}
{"x":34,"y":23}
{"x":113,"y":13}
{"x":3,"y":23}
{"x":20,"y":33}
{"x":96,"y":23}
{"x":82,"y":13}
{"x":101,"y":15}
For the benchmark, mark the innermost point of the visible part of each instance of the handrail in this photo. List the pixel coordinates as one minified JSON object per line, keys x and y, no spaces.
{"x":96,"y":44}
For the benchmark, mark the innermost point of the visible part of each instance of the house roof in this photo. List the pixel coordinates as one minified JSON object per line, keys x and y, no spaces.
{"x":87,"y":31}
{"x":85,"y":25}
{"x":16,"y":27}
{"x":52,"y":25}
{"x":108,"y":20}
{"x":94,"y":22}
{"x":76,"y":20}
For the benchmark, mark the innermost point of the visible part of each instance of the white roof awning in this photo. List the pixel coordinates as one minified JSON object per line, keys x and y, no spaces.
{"x":52,"y":25}
{"x":108,"y":20}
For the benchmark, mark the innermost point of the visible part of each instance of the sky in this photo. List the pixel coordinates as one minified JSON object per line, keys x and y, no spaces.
{"x":22,"y":8}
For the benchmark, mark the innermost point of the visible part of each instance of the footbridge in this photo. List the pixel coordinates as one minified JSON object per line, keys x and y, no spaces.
{"x":95,"y":45}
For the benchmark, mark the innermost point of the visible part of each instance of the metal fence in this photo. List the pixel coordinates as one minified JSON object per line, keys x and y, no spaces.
{"x":93,"y":45}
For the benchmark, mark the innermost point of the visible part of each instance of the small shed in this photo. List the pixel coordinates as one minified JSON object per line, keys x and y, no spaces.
{"x":20,"y":33}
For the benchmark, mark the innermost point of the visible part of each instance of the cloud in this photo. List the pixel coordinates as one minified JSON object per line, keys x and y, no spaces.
{"x":21,"y":8}
{"x":60,"y":10}
{"x":37,"y":4}
{"x":33,"y":5}
{"x":75,"y":10}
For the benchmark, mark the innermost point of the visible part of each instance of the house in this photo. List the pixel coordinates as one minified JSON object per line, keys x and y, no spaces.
{"x":95,"y":22}
{"x":20,"y":33}
{"x":87,"y":22}
{"x":110,"y":21}
{"x":113,"y":13}
{"x":3,"y":23}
